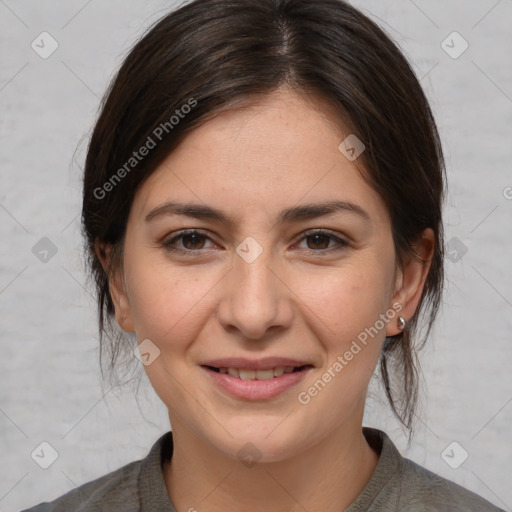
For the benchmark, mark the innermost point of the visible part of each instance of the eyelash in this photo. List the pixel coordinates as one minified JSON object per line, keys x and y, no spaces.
{"x":169,"y":244}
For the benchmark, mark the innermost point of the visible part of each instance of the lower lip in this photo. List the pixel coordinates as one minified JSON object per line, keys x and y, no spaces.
{"x":256,"y":389}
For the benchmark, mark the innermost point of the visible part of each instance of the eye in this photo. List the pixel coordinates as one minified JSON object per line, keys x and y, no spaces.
{"x":319,"y":240}
{"x":190,"y":241}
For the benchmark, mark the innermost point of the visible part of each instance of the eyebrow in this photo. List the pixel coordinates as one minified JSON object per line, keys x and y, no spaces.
{"x":290,"y":215}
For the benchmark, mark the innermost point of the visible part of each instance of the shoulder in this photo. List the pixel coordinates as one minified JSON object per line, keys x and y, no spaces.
{"x":399,"y":484}
{"x":131,"y":488}
{"x":428,"y":492}
{"x":116,"y":492}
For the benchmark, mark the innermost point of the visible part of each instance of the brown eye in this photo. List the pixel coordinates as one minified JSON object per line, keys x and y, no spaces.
{"x":193,"y":241}
{"x":318,"y":241}
{"x":322,"y":242}
{"x":187,"y":242}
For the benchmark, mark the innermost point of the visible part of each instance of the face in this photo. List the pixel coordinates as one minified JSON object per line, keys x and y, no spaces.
{"x":255,"y":249}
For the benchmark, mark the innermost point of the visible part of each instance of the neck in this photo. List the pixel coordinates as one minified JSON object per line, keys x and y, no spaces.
{"x":328,"y":477}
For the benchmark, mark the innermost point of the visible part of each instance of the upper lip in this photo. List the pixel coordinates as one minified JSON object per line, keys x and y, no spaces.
{"x":265,"y":363}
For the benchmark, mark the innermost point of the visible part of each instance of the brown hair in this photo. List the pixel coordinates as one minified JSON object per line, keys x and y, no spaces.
{"x":211,"y":54}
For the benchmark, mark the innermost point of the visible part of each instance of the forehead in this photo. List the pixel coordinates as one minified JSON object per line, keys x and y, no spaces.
{"x":271,"y":152}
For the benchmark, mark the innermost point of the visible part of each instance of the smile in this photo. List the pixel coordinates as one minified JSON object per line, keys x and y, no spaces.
{"x":255,"y":384}
{"x":248,"y":374}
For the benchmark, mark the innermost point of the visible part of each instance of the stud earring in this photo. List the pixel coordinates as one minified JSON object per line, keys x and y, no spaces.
{"x":401,"y":323}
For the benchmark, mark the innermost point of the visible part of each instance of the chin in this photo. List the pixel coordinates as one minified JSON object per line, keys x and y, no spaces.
{"x":260,"y":441}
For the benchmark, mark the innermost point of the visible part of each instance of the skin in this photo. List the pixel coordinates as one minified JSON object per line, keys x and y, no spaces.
{"x":303,"y":297}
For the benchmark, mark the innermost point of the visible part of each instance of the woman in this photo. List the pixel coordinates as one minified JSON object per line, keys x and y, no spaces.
{"x":262,"y":209}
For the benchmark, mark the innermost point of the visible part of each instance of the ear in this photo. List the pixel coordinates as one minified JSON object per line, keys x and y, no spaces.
{"x":117,"y":287}
{"x":410,"y":279}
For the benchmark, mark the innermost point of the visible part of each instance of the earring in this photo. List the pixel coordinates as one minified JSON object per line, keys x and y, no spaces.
{"x":401,"y":323}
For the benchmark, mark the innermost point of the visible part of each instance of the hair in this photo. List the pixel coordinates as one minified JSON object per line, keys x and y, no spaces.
{"x":214,"y":54}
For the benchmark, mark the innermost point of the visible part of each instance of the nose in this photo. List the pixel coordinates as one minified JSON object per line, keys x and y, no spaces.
{"x":255,"y":298}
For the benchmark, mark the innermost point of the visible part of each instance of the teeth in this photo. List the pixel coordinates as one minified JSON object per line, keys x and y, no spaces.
{"x":257,"y":374}
{"x":264,"y":374}
{"x":246,"y":374}
{"x":278,"y":371}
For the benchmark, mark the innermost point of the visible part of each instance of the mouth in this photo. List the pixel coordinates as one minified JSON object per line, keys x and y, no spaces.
{"x":261,"y":379}
{"x":251,"y":374}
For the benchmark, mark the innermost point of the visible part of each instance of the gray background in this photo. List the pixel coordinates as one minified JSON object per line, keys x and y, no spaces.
{"x":50,"y":385}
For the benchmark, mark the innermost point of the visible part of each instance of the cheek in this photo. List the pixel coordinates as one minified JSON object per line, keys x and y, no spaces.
{"x":347,"y":300}
{"x":169,"y":306}
{"x":344,"y":311}
{"x":166,"y":301}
